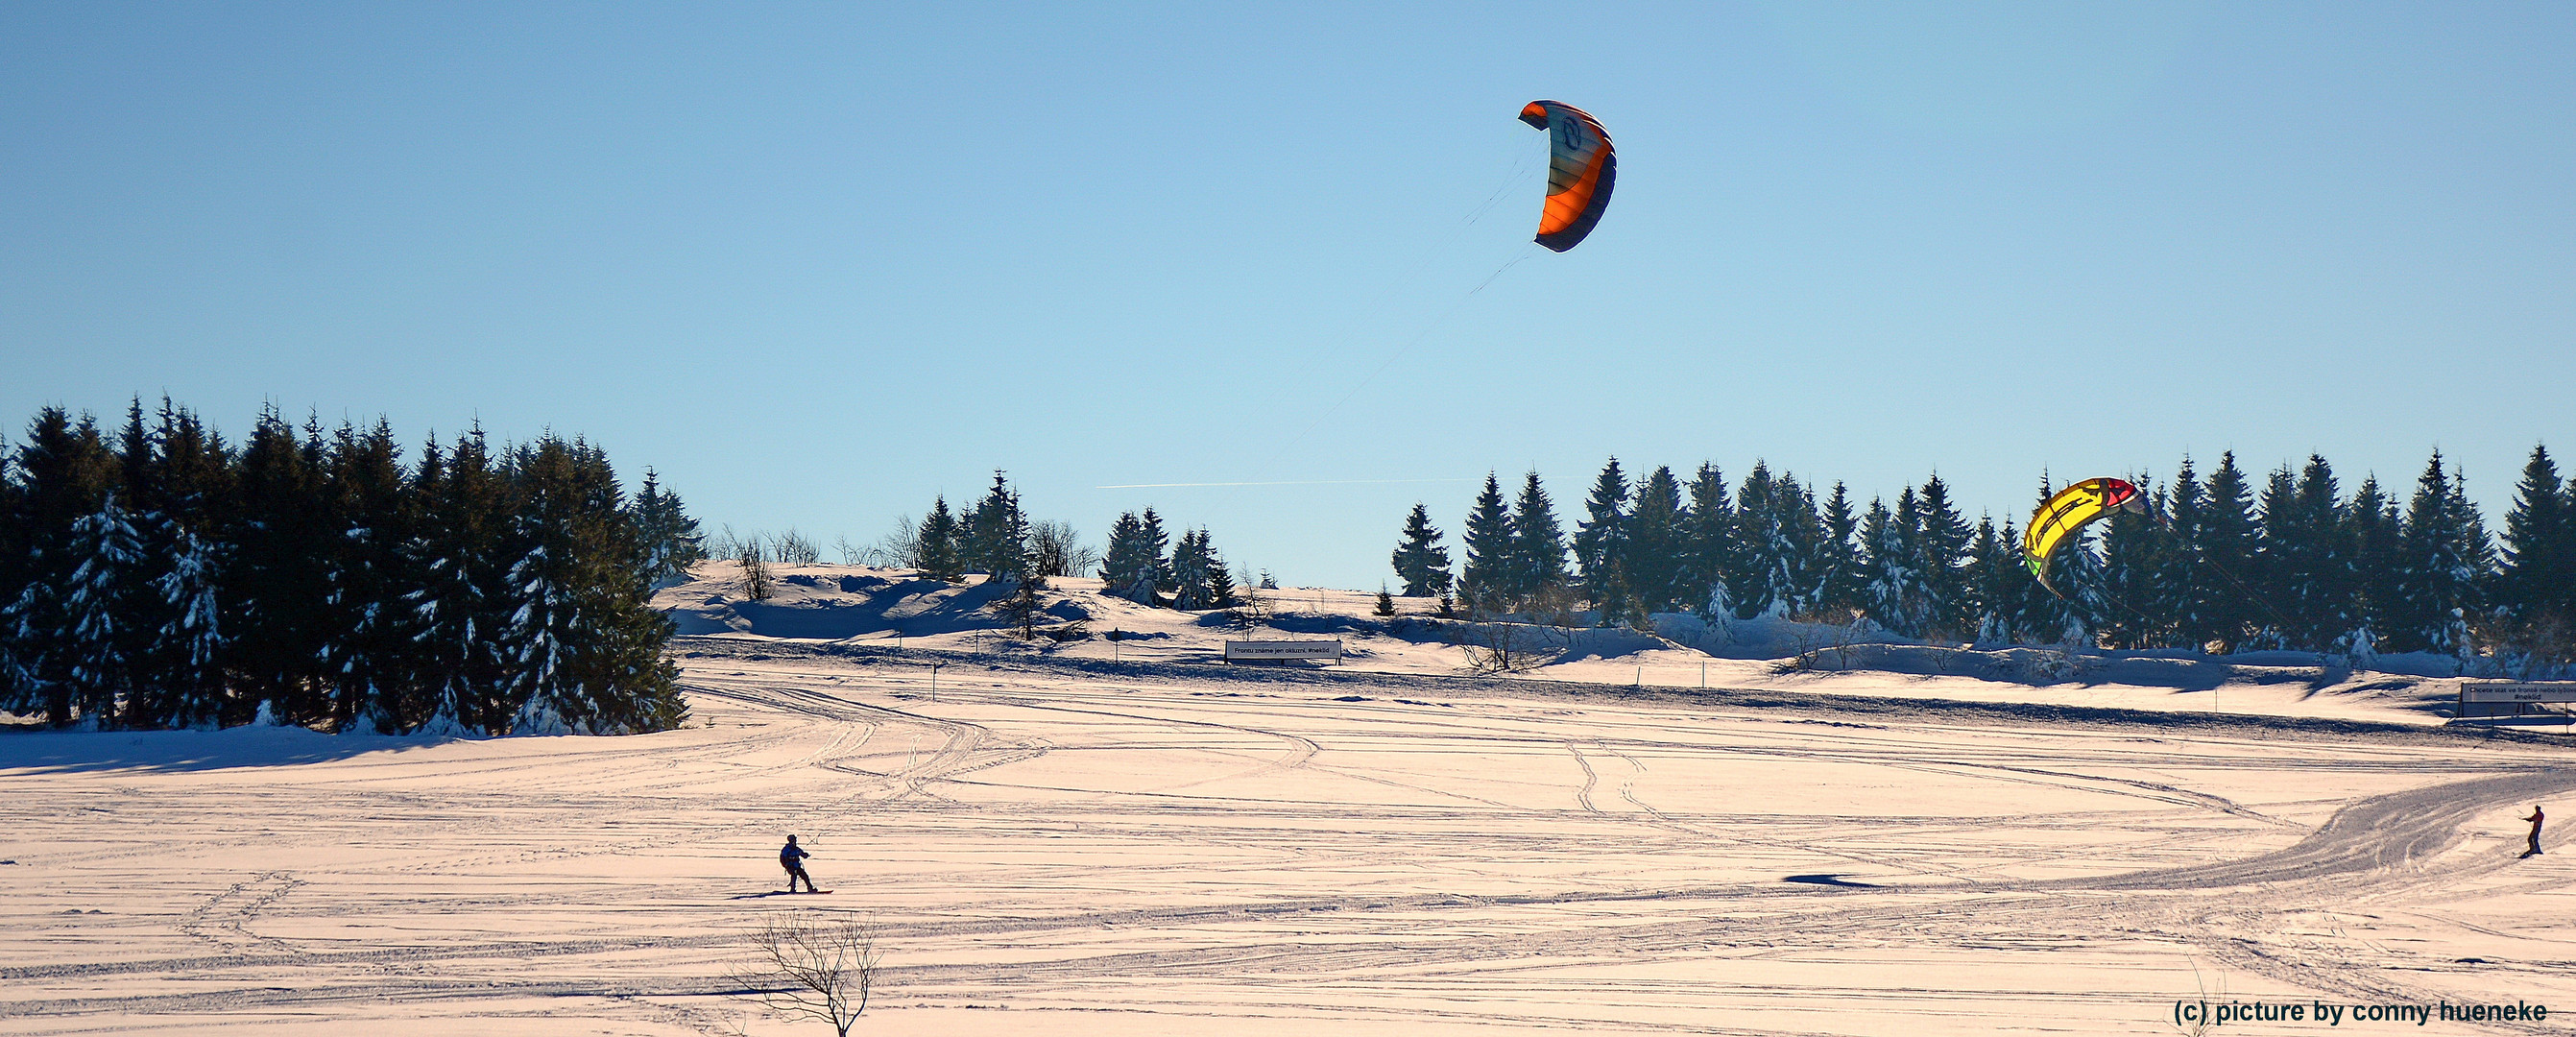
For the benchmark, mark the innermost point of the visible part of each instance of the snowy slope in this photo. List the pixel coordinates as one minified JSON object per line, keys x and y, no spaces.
{"x":1054,"y":845}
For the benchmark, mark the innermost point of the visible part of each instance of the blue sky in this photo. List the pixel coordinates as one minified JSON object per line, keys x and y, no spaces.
{"x":819,"y":263}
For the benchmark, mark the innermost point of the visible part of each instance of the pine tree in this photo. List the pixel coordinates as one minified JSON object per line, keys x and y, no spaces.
{"x":2187,"y":591}
{"x":16,"y":682}
{"x":940,"y":557}
{"x":2376,"y":533}
{"x":1419,"y":559}
{"x":2304,"y":558}
{"x":1708,"y":540}
{"x":1941,"y":556}
{"x":997,"y":535}
{"x":1135,"y":567}
{"x":1485,"y":585}
{"x":369,"y":641}
{"x":672,"y":539}
{"x":2134,"y":559}
{"x":2228,"y":547}
{"x":68,"y":472}
{"x":2437,"y":586}
{"x":2537,"y":580}
{"x":1385,"y":602}
{"x":1192,"y":562}
{"x":1596,"y":538}
{"x":1838,"y":586}
{"x":1798,"y":553}
{"x":2000,"y":583}
{"x":1652,"y":547}
{"x":463,"y":600}
{"x":1750,"y":584}
{"x":275,"y":593}
{"x":1887,"y":560}
{"x":107,"y":558}
{"x":1538,"y":549}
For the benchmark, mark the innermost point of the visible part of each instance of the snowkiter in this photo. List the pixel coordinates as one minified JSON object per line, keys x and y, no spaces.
{"x":792,"y":857}
{"x":2535,"y":820}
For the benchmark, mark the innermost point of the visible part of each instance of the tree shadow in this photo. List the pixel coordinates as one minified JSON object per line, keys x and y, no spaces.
{"x":73,"y":752}
{"x":1835,"y":880}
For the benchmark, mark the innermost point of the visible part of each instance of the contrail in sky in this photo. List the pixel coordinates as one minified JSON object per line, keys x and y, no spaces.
{"x":1286,"y":482}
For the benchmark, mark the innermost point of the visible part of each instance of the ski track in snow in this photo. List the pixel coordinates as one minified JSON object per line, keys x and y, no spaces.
{"x":1073,"y":852}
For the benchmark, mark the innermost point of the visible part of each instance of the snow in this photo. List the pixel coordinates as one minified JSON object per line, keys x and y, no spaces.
{"x":1099,"y":837}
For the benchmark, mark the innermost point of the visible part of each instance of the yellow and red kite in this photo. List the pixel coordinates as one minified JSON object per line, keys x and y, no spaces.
{"x":2065,"y":515}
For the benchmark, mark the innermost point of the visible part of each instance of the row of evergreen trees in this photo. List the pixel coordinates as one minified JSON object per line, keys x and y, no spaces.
{"x":996,"y":538}
{"x":2220,"y":565}
{"x":163,"y":578}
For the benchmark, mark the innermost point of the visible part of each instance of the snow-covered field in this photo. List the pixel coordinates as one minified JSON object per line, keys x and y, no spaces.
{"x":1071,"y":843}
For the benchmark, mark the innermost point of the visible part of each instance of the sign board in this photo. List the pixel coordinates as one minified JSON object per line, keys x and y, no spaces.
{"x":2502,"y":691}
{"x":1250,"y":650}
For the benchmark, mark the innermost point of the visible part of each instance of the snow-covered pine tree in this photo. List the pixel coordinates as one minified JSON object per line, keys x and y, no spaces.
{"x":1419,"y":559}
{"x":1888,"y":563}
{"x":1485,"y":584}
{"x":459,"y":606}
{"x":186,"y":674}
{"x":1750,"y":584}
{"x":1797,"y":550}
{"x":1192,"y":560}
{"x":1128,"y":571}
{"x":68,"y":471}
{"x":15,"y":680}
{"x":368,"y":652}
{"x":1596,"y":538}
{"x":1941,"y":559}
{"x":1652,"y":549}
{"x":1708,"y":541}
{"x":672,"y":540}
{"x":585,"y":644}
{"x":188,"y":481}
{"x":2438,"y":580}
{"x":1538,"y":550}
{"x":108,"y":579}
{"x":1998,"y":579}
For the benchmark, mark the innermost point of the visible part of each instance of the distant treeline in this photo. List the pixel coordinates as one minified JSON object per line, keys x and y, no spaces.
{"x":996,"y":538}
{"x":2221,"y":565}
{"x":163,"y":578}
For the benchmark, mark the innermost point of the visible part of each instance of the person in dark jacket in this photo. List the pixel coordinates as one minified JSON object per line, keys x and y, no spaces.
{"x":792,"y":857}
{"x":2535,"y":820}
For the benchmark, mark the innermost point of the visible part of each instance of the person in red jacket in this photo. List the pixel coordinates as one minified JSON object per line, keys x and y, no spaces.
{"x":2535,"y":820}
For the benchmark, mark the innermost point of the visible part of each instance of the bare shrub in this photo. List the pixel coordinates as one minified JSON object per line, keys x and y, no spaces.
{"x":810,"y":968}
{"x":791,"y":548}
{"x":755,"y":570}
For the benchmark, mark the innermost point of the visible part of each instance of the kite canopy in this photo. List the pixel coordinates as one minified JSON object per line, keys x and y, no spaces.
{"x":2065,"y":515}
{"x":1581,"y":168}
